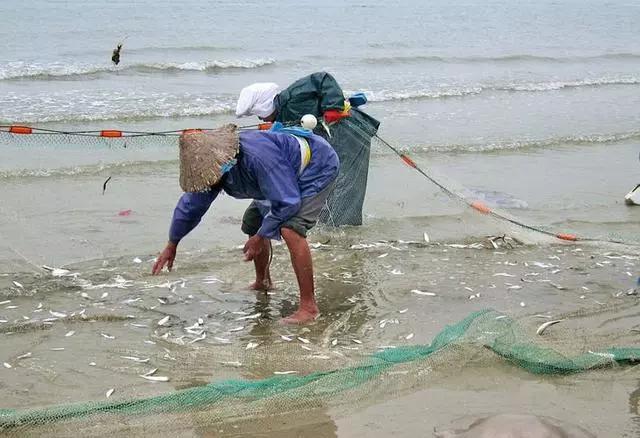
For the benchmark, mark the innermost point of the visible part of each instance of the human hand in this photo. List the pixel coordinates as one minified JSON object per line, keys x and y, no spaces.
{"x":166,"y":257}
{"x":253,"y":247}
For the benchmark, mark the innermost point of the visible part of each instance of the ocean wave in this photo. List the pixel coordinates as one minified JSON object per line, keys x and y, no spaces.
{"x":446,"y":91}
{"x":408,"y":59}
{"x":502,"y":145}
{"x":123,"y":168}
{"x":59,"y":70}
{"x":97,"y":105}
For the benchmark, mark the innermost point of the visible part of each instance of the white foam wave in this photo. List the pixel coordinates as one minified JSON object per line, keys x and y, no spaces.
{"x":578,"y":140}
{"x":60,"y":70}
{"x":81,"y":105}
{"x":445,"y":91}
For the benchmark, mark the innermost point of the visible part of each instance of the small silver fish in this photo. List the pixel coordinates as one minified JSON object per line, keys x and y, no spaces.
{"x":419,"y":292}
{"x":155,"y":378}
{"x":135,"y":359}
{"x":254,"y":316}
{"x":109,"y":392}
{"x":164,"y":320}
{"x":544,"y":326}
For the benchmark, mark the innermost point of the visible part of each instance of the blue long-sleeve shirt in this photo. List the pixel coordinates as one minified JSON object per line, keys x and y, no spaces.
{"x":267,"y":169}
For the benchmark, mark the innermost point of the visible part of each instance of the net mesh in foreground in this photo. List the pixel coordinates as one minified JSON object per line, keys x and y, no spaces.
{"x":386,"y":372}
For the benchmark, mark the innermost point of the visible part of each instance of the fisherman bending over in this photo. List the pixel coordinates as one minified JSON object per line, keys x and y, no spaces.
{"x":294,"y":173}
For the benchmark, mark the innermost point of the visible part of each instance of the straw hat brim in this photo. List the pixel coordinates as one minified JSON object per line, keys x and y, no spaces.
{"x":204,"y":157}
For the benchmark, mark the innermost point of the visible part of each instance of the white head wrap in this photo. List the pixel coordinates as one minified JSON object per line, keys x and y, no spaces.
{"x":257,"y":99}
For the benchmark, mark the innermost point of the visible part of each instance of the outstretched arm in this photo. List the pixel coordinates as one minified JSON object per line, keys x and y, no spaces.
{"x":186,"y":216}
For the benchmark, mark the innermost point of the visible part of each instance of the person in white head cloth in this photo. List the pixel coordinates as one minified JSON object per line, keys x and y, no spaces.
{"x":258,"y":99}
{"x":348,"y":129}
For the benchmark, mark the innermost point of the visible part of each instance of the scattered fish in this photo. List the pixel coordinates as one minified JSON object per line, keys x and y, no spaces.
{"x":223,"y":340}
{"x":155,"y":378}
{"x":15,"y":283}
{"x":522,"y":304}
{"x":334,"y":342}
{"x":93,"y":364}
{"x":137,"y":260}
{"x":381,"y":256}
{"x":104,"y":335}
{"x":2,"y":303}
{"x":104,"y":295}
{"x":403,"y":311}
{"x":254,"y":316}
{"x":135,"y":359}
{"x":251,"y":346}
{"x":503,"y":274}
{"x":409,"y":336}
{"x":397,"y":272}
{"x":200,"y":338}
{"x":544,"y":326}
{"x":164,"y":320}
{"x":11,"y":307}
{"x":234,"y":363}
{"x":57,"y":349}
{"x":286,"y":338}
{"x":7,"y":366}
{"x":305,"y":347}
{"x":237,"y":329}
{"x":150,"y":373}
{"x":425,"y":236}
{"x":284,"y":373}
{"x":70,"y":333}
{"x":514,"y":287}
{"x":357,"y":341}
{"x":109,"y":392}
{"x":303,"y":340}
{"x":58,"y":314}
{"x":24,"y":356}
{"x":419,"y":292}
{"x":557,"y":286}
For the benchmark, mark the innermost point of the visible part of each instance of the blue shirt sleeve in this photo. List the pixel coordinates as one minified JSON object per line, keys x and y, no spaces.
{"x":279,"y":185}
{"x":188,"y":213}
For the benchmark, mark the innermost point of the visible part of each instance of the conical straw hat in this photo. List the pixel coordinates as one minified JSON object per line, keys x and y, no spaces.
{"x":205,"y":157}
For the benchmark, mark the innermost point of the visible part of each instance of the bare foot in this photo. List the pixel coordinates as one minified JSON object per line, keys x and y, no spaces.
{"x":264,"y":285}
{"x":302,"y":316}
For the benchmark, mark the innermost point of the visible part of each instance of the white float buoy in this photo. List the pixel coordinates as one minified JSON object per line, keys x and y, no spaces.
{"x":309,"y":121}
